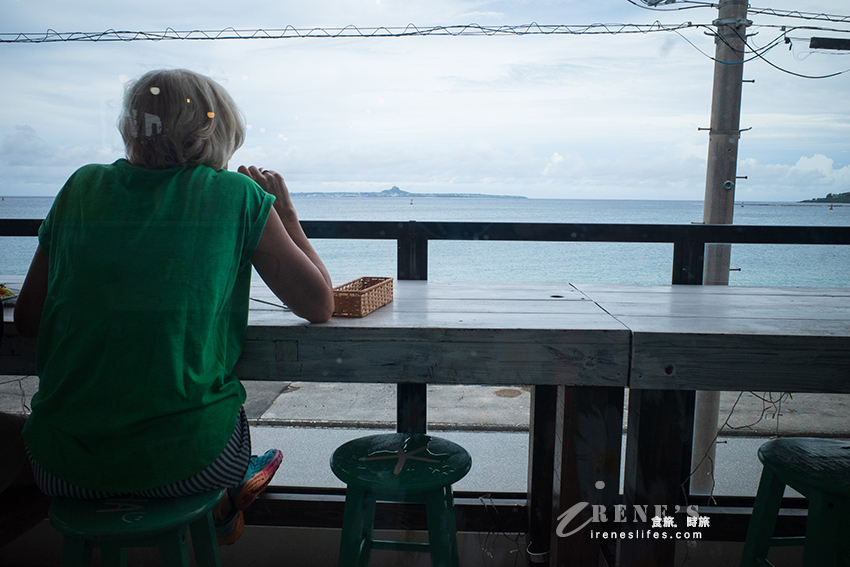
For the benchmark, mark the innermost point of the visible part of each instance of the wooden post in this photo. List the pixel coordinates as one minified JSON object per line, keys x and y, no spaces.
{"x":412,"y":254}
{"x":657,"y":446}
{"x":541,"y":466}
{"x":587,"y":469}
{"x":412,"y":398}
{"x":720,"y":180}
{"x":723,"y":137}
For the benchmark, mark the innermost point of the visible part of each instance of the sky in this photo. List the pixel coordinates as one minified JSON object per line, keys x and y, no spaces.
{"x":543,"y":116}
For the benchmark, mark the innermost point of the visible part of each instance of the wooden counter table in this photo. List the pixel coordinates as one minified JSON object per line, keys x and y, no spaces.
{"x":580,"y":346}
{"x":687,"y":338}
{"x":549,"y":336}
{"x":441,"y":333}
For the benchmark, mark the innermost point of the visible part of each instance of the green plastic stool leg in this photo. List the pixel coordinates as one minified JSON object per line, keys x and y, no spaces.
{"x":451,"y":522}
{"x":76,"y":552}
{"x":173,"y":549}
{"x":763,"y":518}
{"x":842,"y":528}
{"x":205,"y":542}
{"x":113,"y":557}
{"x":355,"y":524}
{"x":368,"y":514}
{"x":439,"y":529}
{"x":826,"y":527}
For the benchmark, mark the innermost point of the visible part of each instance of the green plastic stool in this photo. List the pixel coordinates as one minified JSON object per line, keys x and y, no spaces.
{"x":399,"y":467}
{"x":819,"y":469}
{"x":115,"y":524}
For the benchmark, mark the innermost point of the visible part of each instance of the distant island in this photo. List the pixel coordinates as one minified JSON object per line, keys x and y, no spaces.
{"x":831,"y":198}
{"x":396,"y":192}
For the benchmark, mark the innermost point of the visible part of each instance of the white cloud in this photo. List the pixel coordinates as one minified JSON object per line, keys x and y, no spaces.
{"x":553,"y":163}
{"x":536,"y":115}
{"x":23,"y":147}
{"x":31,"y":166}
{"x":809,"y":177}
{"x":478,"y":17}
{"x":817,"y":162}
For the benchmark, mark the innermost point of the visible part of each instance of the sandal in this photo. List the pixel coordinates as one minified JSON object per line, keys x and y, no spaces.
{"x":229,"y":529}
{"x":257,"y":478}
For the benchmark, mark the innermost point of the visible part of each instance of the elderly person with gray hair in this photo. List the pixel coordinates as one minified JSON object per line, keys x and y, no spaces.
{"x":138,"y":293}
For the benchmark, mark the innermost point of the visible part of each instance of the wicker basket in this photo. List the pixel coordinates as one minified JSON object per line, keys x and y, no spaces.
{"x":360,"y":297}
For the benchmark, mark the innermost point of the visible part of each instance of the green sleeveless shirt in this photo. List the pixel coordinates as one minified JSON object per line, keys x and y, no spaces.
{"x":145,"y":316}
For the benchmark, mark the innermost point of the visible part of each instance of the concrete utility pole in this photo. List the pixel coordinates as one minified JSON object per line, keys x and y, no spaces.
{"x":719,"y":204}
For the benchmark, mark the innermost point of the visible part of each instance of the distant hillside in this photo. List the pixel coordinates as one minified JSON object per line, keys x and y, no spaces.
{"x":396,"y":192}
{"x":831,"y":198}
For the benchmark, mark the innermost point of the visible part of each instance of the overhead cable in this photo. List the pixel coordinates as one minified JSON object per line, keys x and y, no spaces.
{"x":672,"y":5}
{"x":777,"y":67}
{"x":289,"y":32}
{"x":799,"y":15}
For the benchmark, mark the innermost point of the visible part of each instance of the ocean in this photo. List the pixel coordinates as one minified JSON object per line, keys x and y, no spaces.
{"x":753,"y":264}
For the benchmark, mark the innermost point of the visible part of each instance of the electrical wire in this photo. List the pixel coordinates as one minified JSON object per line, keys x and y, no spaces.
{"x":758,"y":53}
{"x":644,"y":4}
{"x":777,"y":67}
{"x":655,"y":7}
{"x":289,"y":32}
{"x":798,"y":15}
{"x":806,"y":28}
{"x":776,"y":41}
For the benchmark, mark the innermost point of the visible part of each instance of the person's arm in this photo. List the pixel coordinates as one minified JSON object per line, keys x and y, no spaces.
{"x":30,"y":302}
{"x":286,"y":260}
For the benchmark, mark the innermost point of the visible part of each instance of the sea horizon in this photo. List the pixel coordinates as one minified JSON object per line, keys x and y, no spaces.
{"x":371,"y":195}
{"x":574,"y":262}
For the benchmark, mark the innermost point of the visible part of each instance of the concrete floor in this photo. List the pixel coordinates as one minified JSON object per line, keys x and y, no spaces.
{"x":500,"y":459}
{"x":309,"y":420}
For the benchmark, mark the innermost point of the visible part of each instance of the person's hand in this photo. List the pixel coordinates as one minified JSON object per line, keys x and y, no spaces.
{"x":272,"y":182}
{"x":284,"y":257}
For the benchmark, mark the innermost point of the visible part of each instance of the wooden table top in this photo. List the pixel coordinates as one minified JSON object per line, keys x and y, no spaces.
{"x":733,"y":337}
{"x":652,"y":337}
{"x":449,"y":333}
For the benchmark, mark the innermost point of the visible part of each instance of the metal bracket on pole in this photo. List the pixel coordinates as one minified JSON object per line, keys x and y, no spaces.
{"x":725,"y":132}
{"x":734,"y":22}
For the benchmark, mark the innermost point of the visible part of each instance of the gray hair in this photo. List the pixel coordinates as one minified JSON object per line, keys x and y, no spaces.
{"x":178,"y":117}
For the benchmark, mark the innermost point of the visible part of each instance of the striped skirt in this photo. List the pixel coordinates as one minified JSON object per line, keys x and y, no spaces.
{"x":226,"y":471}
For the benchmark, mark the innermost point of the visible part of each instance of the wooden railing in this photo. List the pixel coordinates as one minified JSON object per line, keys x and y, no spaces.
{"x":688,"y":240}
{"x":503,"y":512}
